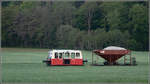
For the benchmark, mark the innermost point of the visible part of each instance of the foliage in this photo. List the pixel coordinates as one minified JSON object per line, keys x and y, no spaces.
{"x":139,"y":23}
{"x":75,"y":25}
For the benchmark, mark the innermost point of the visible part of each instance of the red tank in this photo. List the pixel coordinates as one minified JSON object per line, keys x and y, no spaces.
{"x":111,"y":55}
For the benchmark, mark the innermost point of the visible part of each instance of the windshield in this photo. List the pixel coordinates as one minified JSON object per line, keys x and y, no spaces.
{"x":50,"y":55}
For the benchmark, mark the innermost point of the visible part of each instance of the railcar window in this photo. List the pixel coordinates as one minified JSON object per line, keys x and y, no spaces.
{"x":72,"y":55}
{"x":60,"y":55}
{"x":77,"y":55}
{"x":67,"y":55}
{"x":56,"y":55}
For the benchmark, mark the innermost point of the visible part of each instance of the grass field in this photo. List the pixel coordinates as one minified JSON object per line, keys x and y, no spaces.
{"x":25,"y":65}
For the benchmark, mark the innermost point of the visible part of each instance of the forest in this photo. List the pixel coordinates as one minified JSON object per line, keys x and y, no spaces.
{"x":75,"y":24}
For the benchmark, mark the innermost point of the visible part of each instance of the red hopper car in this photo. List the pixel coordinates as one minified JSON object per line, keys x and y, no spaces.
{"x":112,"y":53}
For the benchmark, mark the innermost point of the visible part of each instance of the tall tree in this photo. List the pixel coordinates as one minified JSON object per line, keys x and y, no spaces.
{"x":115,"y":15}
{"x":63,"y":12}
{"x":25,"y":23}
{"x":8,"y":16}
{"x":85,"y":14}
{"x":138,"y":16}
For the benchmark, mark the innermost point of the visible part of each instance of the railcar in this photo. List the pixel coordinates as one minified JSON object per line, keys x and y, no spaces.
{"x":64,"y":57}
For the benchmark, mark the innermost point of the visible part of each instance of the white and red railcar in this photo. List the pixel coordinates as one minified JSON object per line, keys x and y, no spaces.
{"x":65,"y":57}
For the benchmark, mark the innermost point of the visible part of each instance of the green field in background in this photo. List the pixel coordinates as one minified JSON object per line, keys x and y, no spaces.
{"x":25,"y":65}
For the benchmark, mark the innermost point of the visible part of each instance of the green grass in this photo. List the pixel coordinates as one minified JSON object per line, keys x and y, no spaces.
{"x":25,"y":65}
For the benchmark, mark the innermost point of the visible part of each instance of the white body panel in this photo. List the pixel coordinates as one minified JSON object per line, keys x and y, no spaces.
{"x":77,"y":54}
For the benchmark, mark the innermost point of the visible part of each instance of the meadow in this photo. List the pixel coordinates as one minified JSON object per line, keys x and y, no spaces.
{"x":25,"y":65}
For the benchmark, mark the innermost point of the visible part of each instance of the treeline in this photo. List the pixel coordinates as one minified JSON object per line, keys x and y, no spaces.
{"x":75,"y":25}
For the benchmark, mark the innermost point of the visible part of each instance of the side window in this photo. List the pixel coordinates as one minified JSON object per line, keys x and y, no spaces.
{"x":77,"y":55}
{"x":67,"y":55}
{"x":60,"y":55}
{"x":56,"y":55}
{"x":72,"y":55}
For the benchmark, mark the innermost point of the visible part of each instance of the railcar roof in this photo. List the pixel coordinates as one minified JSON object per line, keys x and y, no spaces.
{"x":54,"y":50}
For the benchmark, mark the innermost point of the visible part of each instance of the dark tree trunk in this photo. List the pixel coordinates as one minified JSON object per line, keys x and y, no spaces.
{"x":89,"y":22}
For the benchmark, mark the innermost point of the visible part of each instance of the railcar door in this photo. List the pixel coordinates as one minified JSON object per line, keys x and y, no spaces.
{"x":67,"y":59}
{"x":73,"y":60}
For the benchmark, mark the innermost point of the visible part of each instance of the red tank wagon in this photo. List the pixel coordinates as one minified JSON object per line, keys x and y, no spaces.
{"x":65,"y":57}
{"x":112,"y":53}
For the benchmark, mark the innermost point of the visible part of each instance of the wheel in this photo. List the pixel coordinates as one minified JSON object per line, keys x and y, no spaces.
{"x":85,"y":61}
{"x":48,"y":63}
{"x":115,"y":63}
{"x":106,"y":63}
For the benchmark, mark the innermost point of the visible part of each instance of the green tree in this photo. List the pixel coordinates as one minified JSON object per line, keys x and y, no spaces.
{"x":8,"y":16}
{"x":25,"y":24}
{"x":115,"y":15}
{"x":85,"y":14}
{"x":117,"y":38}
{"x":138,"y":16}
{"x":63,"y":13}
{"x":66,"y":36}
